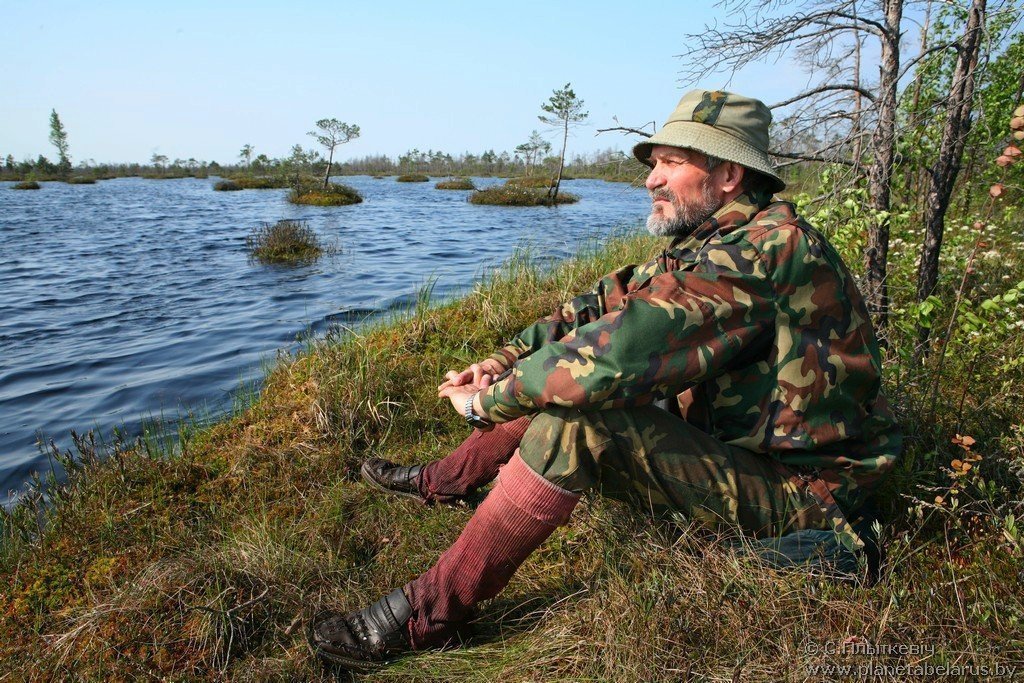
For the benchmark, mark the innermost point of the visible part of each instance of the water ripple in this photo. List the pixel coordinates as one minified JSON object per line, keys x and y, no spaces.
{"x":132,"y":298}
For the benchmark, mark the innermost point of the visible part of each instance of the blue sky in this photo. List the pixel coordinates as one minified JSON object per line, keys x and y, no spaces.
{"x":199,"y":79}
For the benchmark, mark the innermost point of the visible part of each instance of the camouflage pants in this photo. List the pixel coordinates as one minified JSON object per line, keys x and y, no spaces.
{"x":666,"y":466}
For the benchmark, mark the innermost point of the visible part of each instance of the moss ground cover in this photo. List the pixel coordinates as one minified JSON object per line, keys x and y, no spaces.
{"x":197,"y":564}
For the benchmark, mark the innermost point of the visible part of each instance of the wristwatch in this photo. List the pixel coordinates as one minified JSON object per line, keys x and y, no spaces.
{"x":472,"y":419}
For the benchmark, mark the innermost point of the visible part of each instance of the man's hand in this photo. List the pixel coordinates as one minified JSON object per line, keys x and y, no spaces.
{"x":458,"y":395}
{"x":474,"y":374}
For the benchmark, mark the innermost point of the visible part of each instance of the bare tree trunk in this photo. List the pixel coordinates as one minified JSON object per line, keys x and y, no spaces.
{"x":924,"y":48}
{"x":561,"y":163}
{"x":946,"y":169}
{"x":327,"y":174}
{"x":876,"y":256}
{"x":917,"y":175}
{"x":856,"y":100}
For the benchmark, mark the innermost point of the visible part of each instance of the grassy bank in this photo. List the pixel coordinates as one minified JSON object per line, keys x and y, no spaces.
{"x":196,"y":565}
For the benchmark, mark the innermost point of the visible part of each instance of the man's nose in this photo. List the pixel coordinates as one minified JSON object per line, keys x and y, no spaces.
{"x":655,"y":178}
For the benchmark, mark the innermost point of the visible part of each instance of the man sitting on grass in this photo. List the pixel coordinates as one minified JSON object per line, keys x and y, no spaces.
{"x":748,"y":322}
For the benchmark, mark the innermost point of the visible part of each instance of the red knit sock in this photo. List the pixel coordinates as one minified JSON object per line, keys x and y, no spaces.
{"x":517,"y":516}
{"x":473,"y":464}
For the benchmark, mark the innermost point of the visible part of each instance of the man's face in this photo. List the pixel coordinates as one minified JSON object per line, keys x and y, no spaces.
{"x":683,"y":193}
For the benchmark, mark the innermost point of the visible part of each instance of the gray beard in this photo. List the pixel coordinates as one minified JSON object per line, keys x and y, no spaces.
{"x":688,"y":217}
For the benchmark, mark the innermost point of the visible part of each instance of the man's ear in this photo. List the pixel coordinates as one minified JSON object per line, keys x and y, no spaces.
{"x":732,"y":176}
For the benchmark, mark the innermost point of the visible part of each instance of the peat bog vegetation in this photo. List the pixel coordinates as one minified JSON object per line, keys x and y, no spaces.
{"x":199,"y":563}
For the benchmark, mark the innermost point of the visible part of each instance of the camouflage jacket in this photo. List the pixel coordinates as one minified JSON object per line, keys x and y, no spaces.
{"x":752,"y":320}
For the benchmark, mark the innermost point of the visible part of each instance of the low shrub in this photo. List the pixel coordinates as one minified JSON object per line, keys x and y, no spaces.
{"x":412,"y":178}
{"x":81,"y":180}
{"x":226,"y":186}
{"x":286,"y":241}
{"x":26,"y":185}
{"x":512,"y":195}
{"x":333,"y":195}
{"x":456,"y":184}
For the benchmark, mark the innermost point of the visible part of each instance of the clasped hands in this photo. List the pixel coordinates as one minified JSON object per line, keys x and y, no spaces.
{"x":459,"y":386}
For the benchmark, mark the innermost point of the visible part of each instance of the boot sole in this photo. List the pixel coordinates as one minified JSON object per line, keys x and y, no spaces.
{"x":368,"y":478}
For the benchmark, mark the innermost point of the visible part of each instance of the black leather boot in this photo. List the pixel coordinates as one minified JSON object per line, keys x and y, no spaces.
{"x":392,"y":478}
{"x":366,"y":639}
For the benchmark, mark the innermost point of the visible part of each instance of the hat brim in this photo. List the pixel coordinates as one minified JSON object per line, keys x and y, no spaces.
{"x":712,"y":142}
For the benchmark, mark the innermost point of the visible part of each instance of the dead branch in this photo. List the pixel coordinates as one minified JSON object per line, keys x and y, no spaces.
{"x":848,"y":87}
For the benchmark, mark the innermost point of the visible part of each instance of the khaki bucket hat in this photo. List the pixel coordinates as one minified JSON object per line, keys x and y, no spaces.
{"x":720,"y":124}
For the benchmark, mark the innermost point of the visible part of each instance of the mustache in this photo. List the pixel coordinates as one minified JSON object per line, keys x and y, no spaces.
{"x":661,"y":193}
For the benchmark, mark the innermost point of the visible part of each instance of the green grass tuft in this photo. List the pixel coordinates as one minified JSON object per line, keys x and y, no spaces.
{"x":26,"y":185}
{"x":456,"y":184}
{"x":412,"y":178}
{"x":226,"y":186}
{"x":286,"y":241}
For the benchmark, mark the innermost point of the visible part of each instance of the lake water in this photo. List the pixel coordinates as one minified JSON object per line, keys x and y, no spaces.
{"x":132,"y":298}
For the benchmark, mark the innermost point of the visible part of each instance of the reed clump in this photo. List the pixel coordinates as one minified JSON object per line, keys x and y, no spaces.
{"x":26,"y":185}
{"x":412,"y":178}
{"x":455,"y":184}
{"x":286,"y":241}
{"x":333,"y":195}
{"x":226,"y":186}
